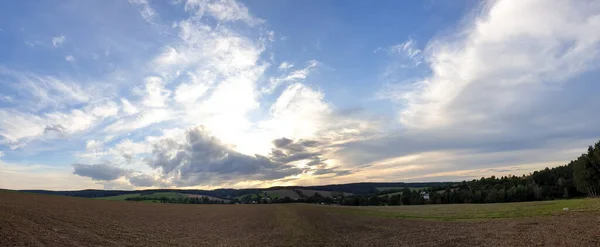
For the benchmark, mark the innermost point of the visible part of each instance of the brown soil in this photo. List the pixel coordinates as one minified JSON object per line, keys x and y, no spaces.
{"x":41,"y":220}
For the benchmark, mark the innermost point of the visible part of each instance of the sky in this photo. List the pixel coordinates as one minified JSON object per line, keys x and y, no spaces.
{"x":111,"y":94}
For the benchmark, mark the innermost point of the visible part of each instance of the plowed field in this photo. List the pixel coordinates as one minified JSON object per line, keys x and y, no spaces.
{"x":41,"y":220}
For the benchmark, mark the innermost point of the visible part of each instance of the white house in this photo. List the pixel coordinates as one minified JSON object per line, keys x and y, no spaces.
{"x":425,"y":195}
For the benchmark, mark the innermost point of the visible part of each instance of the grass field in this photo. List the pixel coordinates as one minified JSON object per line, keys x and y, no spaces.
{"x":392,"y":194}
{"x":118,"y":198}
{"x":46,"y":220}
{"x":281,"y":193}
{"x":477,"y":211}
{"x":382,"y":189}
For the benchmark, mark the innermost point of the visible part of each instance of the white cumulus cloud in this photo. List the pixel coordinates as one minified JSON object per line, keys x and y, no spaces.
{"x":515,"y":50}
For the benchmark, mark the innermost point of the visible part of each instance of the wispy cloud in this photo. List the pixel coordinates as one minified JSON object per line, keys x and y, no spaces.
{"x":285,"y":65}
{"x":146,"y":11}
{"x":222,"y":10}
{"x":294,"y":76}
{"x":47,"y":102}
{"x":407,"y":49}
{"x":70,"y":59}
{"x":153,"y":93}
{"x":48,"y":92}
{"x":58,"y":40}
{"x":34,"y":43}
{"x":6,"y":98}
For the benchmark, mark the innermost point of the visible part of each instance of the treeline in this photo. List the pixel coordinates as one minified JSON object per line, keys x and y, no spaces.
{"x":548,"y":184}
{"x":580,"y":177}
{"x":181,"y":200}
{"x":264,"y":198}
{"x":587,"y":171}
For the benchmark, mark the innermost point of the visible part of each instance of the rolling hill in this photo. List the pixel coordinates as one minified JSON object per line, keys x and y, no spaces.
{"x":230,"y":194}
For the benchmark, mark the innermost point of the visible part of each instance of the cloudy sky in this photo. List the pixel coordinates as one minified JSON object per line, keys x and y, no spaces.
{"x":221,"y":93}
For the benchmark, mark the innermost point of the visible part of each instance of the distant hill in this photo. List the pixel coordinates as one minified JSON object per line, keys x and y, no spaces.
{"x":156,"y":197}
{"x":332,"y":190}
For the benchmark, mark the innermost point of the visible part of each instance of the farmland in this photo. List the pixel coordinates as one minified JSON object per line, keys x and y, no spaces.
{"x":31,"y":219}
{"x":119,"y":197}
{"x":281,"y":193}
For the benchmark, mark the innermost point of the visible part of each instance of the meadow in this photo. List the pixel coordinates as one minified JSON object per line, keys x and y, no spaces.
{"x":478,"y":211}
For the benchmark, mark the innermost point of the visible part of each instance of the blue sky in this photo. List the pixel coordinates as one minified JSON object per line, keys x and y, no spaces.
{"x":206,"y":93}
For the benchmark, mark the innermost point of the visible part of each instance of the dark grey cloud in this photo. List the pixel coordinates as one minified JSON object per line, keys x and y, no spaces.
{"x":309,"y":143}
{"x":316,"y":161}
{"x":203,"y":159}
{"x":102,"y":172}
{"x":294,"y":146}
{"x":334,"y":171}
{"x":295,"y":157}
{"x":282,"y":142}
{"x":142,"y":180}
{"x":287,"y":150}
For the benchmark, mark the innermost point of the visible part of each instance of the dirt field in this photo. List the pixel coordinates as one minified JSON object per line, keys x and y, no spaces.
{"x":41,"y":220}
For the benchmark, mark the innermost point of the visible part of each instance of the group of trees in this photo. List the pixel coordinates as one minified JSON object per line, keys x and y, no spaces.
{"x":263,"y":198}
{"x":404,"y":196}
{"x":180,"y":200}
{"x":586,"y":171}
